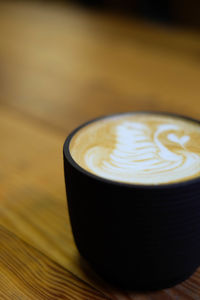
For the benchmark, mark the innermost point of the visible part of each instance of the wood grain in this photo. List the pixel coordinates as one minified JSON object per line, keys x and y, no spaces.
{"x":28,"y":274}
{"x":59,"y":66}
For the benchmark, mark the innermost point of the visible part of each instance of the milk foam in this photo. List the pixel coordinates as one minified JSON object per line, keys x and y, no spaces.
{"x":139,"y":153}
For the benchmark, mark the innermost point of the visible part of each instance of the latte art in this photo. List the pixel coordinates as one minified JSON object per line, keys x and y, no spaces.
{"x":142,"y":149}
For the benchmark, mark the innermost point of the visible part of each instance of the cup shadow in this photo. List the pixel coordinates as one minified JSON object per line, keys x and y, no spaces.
{"x":107,"y":287}
{"x":118,"y":292}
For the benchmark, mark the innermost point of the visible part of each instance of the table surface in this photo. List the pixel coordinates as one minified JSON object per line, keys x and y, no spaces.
{"x":61,"y":65}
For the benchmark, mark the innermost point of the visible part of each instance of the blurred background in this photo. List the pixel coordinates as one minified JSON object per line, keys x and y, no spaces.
{"x":178,"y":12}
{"x":63,"y":62}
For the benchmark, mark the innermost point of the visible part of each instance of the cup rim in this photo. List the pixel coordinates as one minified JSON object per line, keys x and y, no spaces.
{"x":70,"y":159}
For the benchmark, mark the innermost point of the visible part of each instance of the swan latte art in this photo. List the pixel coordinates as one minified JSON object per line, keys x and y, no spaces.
{"x":139,"y":148}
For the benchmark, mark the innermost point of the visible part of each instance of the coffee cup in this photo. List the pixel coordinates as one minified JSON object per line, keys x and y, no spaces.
{"x":133,"y":192}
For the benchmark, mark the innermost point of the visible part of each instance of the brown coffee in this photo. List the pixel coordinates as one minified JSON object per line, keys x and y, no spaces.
{"x":140,"y":148}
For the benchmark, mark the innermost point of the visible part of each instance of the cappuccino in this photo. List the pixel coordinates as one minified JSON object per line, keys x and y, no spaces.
{"x":139,"y":148}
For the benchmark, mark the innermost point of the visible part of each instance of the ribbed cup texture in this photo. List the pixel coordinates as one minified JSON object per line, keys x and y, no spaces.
{"x":134,"y":236}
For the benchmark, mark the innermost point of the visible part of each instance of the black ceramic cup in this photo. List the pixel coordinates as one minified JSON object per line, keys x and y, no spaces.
{"x":135,"y":236}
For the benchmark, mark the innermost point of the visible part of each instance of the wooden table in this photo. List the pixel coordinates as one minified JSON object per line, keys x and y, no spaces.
{"x":61,"y":65}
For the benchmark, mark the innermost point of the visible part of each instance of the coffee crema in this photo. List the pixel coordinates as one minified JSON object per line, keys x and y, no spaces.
{"x":139,"y":148}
